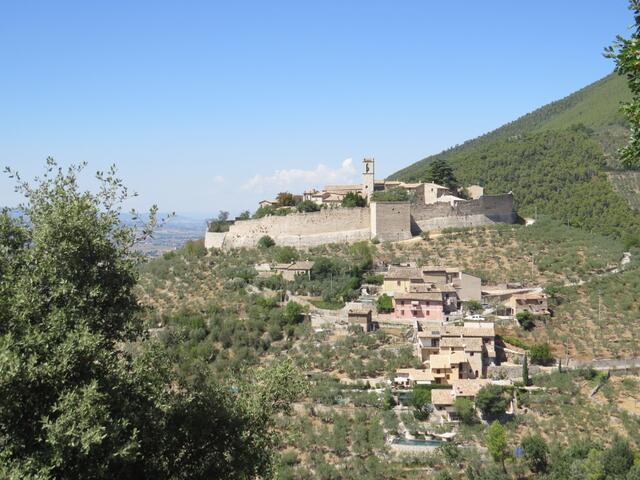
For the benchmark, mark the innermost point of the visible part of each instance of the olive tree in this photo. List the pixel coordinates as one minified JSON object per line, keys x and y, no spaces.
{"x":83,"y":392}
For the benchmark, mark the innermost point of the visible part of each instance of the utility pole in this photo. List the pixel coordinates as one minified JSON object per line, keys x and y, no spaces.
{"x":599,"y":303}
{"x":532,"y":263}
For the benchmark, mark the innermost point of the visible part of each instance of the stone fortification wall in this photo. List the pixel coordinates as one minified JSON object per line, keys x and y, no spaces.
{"x":485,"y":210}
{"x":214,"y":240}
{"x":303,"y":229}
{"x":388,"y":221}
{"x":391,"y":221}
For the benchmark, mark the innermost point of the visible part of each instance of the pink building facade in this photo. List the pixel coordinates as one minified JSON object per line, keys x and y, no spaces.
{"x":424,"y":306}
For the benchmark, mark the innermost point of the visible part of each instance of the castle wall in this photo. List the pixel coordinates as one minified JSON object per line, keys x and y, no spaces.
{"x":391,"y":221}
{"x":303,"y":229}
{"x":388,"y":221}
{"x":485,"y":210}
{"x":214,"y":240}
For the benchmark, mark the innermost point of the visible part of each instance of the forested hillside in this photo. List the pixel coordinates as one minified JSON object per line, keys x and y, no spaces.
{"x":595,"y":106}
{"x":555,"y":161}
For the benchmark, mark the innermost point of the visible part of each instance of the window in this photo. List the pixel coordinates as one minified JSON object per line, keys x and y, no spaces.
{"x":398,"y":282}
{"x":471,"y":354}
{"x":428,"y":312}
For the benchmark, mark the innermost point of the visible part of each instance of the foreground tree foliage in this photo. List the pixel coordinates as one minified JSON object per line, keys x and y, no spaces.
{"x":82,"y":394}
{"x":625,"y":52}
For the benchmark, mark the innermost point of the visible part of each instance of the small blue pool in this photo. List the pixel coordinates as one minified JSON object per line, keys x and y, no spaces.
{"x":416,"y":442}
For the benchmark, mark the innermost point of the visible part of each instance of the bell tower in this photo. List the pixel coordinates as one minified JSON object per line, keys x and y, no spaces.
{"x":368,"y":168}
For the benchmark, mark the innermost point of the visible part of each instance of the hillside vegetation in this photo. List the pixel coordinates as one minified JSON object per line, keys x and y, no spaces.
{"x":555,"y":160}
{"x":595,"y":106}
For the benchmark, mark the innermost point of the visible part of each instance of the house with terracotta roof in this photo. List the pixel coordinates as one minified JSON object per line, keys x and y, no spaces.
{"x":419,"y":305}
{"x":410,"y":377}
{"x":289,"y":271}
{"x":399,"y":279}
{"x":535,"y":303}
{"x":444,"y":400}
{"x":474,"y":340}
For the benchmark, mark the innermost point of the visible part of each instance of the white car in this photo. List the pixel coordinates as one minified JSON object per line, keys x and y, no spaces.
{"x":475,"y":317}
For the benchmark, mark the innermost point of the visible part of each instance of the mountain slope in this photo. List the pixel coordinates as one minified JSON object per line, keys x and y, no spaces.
{"x":556,"y":160}
{"x":596,"y":106}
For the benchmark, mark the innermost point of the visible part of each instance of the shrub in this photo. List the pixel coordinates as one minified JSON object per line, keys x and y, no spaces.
{"x":491,"y":400}
{"x":286,"y":254}
{"x":392,"y":195}
{"x":353,"y":199}
{"x":525,"y":319}
{"x":618,"y":458}
{"x":384,"y":304}
{"x":535,"y":452}
{"x":373,"y":279}
{"x":307,"y":206}
{"x":220,"y":224}
{"x":473,"y":306}
{"x":421,"y":401}
{"x":541,"y":354}
{"x":465,"y":410}
{"x":286,"y":199}
{"x":266,"y":242}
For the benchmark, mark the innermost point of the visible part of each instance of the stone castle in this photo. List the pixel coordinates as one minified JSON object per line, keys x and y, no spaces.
{"x":432,"y":207}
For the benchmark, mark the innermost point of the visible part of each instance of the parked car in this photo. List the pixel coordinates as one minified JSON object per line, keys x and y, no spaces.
{"x":474,"y":317}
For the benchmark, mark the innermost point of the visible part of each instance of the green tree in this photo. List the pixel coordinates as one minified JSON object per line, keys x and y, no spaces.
{"x":388,"y":402}
{"x":285,"y":199}
{"x":525,"y":319}
{"x":525,"y":372}
{"x":466,"y":410}
{"x":293,"y":313}
{"x":496,"y":440}
{"x":384,"y":304}
{"x":353,"y":199}
{"x":246,"y":215}
{"x":308,"y":206}
{"x":541,"y":354}
{"x":625,"y":52}
{"x":421,"y":401}
{"x":618,"y":458}
{"x":264,"y":211}
{"x":286,"y":254}
{"x":440,"y":172}
{"x":491,"y":400}
{"x":535,"y":452}
{"x":220,"y":223}
{"x":266,"y":242}
{"x":74,"y":403}
{"x":473,"y":306}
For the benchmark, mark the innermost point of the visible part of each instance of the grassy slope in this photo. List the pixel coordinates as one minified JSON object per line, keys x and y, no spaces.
{"x":596,"y":106}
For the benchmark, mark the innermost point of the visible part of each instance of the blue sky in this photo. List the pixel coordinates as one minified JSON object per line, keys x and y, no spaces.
{"x":209,"y":105}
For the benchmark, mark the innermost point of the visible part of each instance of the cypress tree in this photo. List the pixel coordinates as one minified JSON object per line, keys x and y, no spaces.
{"x":525,"y":372}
